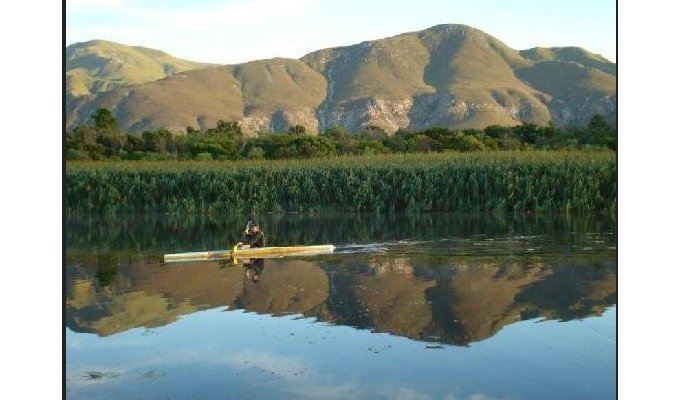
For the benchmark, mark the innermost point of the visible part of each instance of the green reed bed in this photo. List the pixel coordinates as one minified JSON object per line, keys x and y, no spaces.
{"x":503,"y":181}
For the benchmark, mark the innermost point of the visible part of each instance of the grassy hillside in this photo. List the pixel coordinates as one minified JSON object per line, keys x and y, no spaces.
{"x":278,"y":84}
{"x":452,"y":76}
{"x":391,"y":68}
{"x":570,"y":54}
{"x":100,"y":65}
{"x":183,"y":99}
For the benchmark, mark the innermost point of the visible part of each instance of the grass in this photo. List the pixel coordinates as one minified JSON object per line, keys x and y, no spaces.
{"x":463,"y":182}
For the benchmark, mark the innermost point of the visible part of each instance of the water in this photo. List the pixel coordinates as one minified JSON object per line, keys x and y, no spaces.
{"x":441,"y":306}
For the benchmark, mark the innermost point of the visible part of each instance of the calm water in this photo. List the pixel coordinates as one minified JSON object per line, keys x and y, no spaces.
{"x":440,"y":306}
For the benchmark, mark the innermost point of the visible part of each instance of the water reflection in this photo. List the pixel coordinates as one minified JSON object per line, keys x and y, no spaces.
{"x":435,"y":306}
{"x":473,"y":234}
{"x":408,"y":285}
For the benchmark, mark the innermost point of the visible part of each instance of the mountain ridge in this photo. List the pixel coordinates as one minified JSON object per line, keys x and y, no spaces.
{"x":448,"y":75}
{"x":99,"y":65}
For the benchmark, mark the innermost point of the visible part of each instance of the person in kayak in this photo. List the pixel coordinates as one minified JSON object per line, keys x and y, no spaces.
{"x":253,"y":236}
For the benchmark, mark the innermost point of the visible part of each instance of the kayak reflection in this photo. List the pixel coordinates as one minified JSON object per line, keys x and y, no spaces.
{"x":252,"y":267}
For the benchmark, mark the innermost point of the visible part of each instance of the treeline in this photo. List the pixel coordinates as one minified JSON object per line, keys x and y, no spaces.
{"x":103,"y":140}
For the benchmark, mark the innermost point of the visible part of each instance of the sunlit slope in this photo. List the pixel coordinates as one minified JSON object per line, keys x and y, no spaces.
{"x":181,"y":100}
{"x":99,"y":65}
{"x":453,"y":76}
{"x":281,"y":92}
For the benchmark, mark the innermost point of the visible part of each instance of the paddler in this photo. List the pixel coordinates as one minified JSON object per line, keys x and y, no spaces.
{"x":253,"y":236}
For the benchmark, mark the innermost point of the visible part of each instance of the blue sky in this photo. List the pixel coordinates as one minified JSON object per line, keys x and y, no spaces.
{"x":232,"y":31}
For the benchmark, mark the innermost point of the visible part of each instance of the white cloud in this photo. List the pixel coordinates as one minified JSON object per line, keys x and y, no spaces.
{"x":403,"y":393}
{"x":279,"y":365}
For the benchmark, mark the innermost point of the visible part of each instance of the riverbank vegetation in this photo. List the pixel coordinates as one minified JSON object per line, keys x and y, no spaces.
{"x":104,"y":141}
{"x":504,"y":181}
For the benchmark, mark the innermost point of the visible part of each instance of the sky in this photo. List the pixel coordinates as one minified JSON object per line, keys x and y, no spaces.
{"x":234,"y":31}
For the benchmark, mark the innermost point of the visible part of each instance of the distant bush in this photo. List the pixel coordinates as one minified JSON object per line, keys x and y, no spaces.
{"x":204,"y":156}
{"x":255,"y":153}
{"x":73,"y":154}
{"x":227,"y":142}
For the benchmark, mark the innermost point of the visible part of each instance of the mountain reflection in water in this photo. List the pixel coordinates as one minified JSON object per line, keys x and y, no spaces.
{"x":438,"y":278}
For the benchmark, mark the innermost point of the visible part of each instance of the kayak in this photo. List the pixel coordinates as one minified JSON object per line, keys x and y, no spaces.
{"x":255,"y":252}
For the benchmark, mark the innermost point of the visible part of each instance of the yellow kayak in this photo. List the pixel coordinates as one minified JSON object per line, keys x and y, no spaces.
{"x":256,"y":252}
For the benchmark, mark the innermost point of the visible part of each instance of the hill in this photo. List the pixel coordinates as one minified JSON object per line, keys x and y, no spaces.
{"x":98,"y":65}
{"x":448,"y":75}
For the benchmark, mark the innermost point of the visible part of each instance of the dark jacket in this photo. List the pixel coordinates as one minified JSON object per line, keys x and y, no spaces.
{"x":254,"y":240}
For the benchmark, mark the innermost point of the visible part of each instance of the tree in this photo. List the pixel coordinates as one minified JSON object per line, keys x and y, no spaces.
{"x":464,"y":142}
{"x":308,"y":147}
{"x":599,"y":133}
{"x":104,"y":121}
{"x":418,"y":143}
{"x":256,"y":153}
{"x":527,"y":132}
{"x":598,"y":122}
{"x":373,"y":132}
{"x":228,"y":127}
{"x":84,"y":135}
{"x":296,"y":130}
{"x":497,"y":131}
{"x":337,"y":132}
{"x":133,"y":143}
{"x":73,"y":154}
{"x":160,"y":141}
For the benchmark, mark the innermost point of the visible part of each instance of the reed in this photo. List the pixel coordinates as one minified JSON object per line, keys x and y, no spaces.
{"x":464,"y":182}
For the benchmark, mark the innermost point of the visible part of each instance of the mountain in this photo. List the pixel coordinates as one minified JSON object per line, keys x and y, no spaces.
{"x":448,"y":75}
{"x":98,"y":65}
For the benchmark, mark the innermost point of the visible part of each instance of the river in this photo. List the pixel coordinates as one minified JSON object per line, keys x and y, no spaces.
{"x":433,"y":306}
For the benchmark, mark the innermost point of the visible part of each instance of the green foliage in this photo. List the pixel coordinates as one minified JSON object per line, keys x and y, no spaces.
{"x":104,"y":121}
{"x":226,"y":141}
{"x":461,"y":182}
{"x":337,"y":133}
{"x":599,"y":133}
{"x":467,"y":143}
{"x":296,"y":130}
{"x":204,"y":156}
{"x":228,"y":127}
{"x":73,"y":154}
{"x":255,"y":153}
